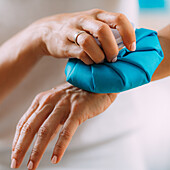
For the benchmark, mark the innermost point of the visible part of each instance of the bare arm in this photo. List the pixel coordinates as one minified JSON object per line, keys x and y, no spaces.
{"x":61,"y":106}
{"x":54,"y":36}
{"x":163,"y":69}
{"x":17,"y":57}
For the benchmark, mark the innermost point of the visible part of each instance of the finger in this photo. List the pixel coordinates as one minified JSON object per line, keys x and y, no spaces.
{"x":28,"y":132}
{"x":89,"y":45}
{"x":104,"y":34}
{"x":77,"y":52}
{"x":122,"y":24}
{"x":22,"y":121}
{"x":44,"y":135}
{"x":64,"y":139}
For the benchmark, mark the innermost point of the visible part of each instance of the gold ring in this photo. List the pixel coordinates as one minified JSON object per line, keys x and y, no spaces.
{"x":76,"y":36}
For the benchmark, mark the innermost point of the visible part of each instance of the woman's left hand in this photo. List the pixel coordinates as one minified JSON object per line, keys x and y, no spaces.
{"x":65,"y":106}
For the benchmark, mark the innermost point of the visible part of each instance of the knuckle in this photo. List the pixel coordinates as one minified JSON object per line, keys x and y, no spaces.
{"x":47,"y":98}
{"x":38,"y":96}
{"x":27,"y":128}
{"x":120,"y":18}
{"x":35,"y":152}
{"x":95,"y":10}
{"x":59,"y":147}
{"x":81,"y":18}
{"x":69,"y":93}
{"x":43,"y":132}
{"x":102,"y":28}
{"x":18,"y":150}
{"x":66,"y":134}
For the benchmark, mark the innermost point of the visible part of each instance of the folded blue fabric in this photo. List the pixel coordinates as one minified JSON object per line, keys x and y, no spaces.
{"x":131,"y":70}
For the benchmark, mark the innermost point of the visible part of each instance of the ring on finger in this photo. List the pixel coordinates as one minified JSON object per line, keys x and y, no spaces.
{"x":76,"y":36}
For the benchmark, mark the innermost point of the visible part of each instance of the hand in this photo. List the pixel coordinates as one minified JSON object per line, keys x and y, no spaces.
{"x":58,"y":35}
{"x":65,"y":106}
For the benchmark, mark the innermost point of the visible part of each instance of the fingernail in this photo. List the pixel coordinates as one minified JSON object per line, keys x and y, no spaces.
{"x":30,"y":165}
{"x":133,"y":46}
{"x":13,"y":163}
{"x":54,"y":159}
{"x":114,"y":60}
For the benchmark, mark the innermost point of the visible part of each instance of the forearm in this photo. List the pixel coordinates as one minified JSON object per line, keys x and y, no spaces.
{"x":164,"y":68}
{"x":17,"y":57}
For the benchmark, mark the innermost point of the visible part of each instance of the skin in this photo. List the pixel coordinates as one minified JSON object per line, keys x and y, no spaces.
{"x":67,"y":107}
{"x":163,"y":69}
{"x":64,"y":107}
{"x":63,"y":104}
{"x":40,"y":38}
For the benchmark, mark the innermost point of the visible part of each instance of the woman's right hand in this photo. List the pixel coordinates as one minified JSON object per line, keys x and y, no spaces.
{"x":58,"y":33}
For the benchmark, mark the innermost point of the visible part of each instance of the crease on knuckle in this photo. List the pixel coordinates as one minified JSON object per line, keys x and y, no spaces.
{"x":27,"y":128}
{"x":59,"y":147}
{"x":18,"y":150}
{"x":43,"y":132}
{"x":35,"y":153}
{"x":66,"y":134}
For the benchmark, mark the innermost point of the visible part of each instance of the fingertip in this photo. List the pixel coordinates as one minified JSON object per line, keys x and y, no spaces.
{"x":132,"y":46}
{"x":30,"y":165}
{"x":54,"y":159}
{"x":114,"y":59}
{"x":13,"y":163}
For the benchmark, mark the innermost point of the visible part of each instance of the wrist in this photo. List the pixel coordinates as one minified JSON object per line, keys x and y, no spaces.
{"x":163,"y":69}
{"x":32,"y":42}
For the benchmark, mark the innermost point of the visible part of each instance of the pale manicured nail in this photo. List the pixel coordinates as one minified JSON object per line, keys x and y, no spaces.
{"x":54,"y":159}
{"x":13,"y":163}
{"x":114,"y":60}
{"x":133,"y":46}
{"x":30,"y":165}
